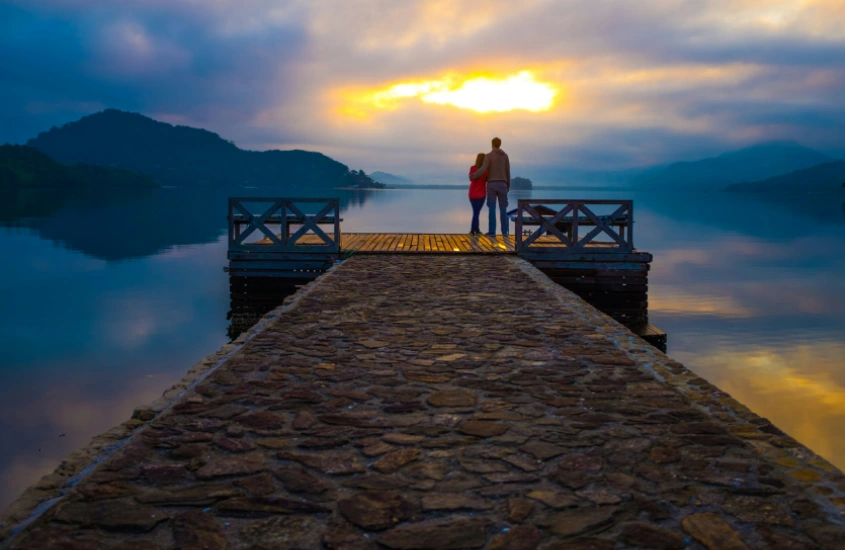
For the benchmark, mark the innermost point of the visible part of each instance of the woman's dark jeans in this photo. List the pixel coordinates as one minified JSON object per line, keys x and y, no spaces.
{"x":477,"y":204}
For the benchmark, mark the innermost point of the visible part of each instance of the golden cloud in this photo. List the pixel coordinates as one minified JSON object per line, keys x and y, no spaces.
{"x":479,"y":93}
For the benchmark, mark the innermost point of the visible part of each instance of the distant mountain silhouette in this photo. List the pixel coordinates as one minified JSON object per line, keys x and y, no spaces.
{"x":823,"y":177}
{"x":360,"y":180}
{"x":183,"y":156}
{"x":390,"y":179}
{"x":750,"y":164}
{"x":27,"y":167}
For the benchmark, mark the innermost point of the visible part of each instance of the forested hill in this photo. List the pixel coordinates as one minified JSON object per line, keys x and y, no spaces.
{"x":829,"y":176}
{"x":26,"y":167}
{"x":184,"y":156}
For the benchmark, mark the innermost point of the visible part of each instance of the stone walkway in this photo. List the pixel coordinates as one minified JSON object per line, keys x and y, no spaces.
{"x":411,"y":402}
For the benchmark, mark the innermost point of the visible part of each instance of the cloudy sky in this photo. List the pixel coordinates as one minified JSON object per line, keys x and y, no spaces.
{"x":414,"y":86}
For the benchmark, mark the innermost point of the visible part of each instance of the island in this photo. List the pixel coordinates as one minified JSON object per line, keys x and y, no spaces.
{"x":521,"y":184}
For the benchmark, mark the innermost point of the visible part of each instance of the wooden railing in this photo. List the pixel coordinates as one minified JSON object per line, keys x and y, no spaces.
{"x":284,"y":213}
{"x":566,"y":223}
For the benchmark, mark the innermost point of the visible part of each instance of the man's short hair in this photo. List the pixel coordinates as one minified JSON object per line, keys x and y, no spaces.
{"x":497,"y":142}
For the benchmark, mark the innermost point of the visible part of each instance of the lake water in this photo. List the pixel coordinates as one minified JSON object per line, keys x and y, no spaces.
{"x":106,"y":301}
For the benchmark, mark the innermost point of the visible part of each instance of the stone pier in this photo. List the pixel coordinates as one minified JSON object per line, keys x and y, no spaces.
{"x":436,"y":402}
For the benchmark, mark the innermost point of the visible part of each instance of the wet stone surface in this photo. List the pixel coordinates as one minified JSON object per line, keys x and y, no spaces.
{"x":414,"y":402}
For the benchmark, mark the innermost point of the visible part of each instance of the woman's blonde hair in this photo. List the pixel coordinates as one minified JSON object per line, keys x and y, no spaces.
{"x":479,"y":160}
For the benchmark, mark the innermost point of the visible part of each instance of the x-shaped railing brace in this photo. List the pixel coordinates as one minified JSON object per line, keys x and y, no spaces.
{"x":258,"y":223}
{"x":547,"y":225}
{"x":310,"y":222}
{"x":601,"y":226}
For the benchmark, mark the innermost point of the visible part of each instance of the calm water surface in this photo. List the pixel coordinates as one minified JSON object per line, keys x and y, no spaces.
{"x":106,"y":302}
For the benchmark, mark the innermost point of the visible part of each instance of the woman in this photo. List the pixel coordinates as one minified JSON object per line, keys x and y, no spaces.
{"x":477,"y":193}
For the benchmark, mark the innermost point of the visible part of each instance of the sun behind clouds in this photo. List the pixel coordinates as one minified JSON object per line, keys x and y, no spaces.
{"x":482,"y":94}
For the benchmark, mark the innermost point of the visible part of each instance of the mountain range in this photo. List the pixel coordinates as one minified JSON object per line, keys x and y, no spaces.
{"x":390,"y":179}
{"x":755,"y":163}
{"x":184,"y":156}
{"x":192,"y":157}
{"x":823,"y":177}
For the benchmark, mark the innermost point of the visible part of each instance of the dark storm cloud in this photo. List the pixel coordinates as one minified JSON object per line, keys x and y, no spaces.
{"x":59,"y":65}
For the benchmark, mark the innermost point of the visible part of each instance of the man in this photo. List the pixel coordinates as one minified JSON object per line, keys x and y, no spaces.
{"x":497,"y":166}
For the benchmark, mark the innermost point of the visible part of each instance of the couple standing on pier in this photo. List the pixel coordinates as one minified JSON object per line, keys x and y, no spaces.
{"x":490,"y":177}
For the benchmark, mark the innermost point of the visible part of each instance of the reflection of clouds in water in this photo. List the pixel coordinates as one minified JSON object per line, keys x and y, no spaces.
{"x":67,"y":404}
{"x":179,"y":252}
{"x":727,"y":250}
{"x":71,"y":407}
{"x":743,"y":276}
{"x":130,"y":334}
{"x":759,"y":315}
{"x":789,"y":297}
{"x":681,"y":302}
{"x":754,"y":248}
{"x":129,"y":322}
{"x":19,"y":243}
{"x":21,"y":473}
{"x":799,"y":247}
{"x":670,"y":258}
{"x":801,"y":389}
{"x":744,"y":300}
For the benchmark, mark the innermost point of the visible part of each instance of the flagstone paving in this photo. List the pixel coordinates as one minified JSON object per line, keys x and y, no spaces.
{"x":412,"y":402}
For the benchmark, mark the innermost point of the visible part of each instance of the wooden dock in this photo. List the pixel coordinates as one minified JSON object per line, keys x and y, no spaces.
{"x":443,"y":243}
{"x":580,"y":248}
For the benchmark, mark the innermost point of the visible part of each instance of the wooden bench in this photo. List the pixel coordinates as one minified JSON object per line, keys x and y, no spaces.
{"x":565,"y":223}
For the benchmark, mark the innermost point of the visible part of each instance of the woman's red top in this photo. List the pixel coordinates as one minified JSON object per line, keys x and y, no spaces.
{"x":477,"y":188}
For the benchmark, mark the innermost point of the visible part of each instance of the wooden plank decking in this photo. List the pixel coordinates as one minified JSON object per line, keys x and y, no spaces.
{"x":425,"y":242}
{"x":391,"y":243}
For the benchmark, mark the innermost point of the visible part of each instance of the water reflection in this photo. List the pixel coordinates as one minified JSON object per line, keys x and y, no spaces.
{"x":131,"y":224}
{"x":750,"y":288}
{"x":64,"y":405}
{"x":111,"y":298}
{"x":799,"y":387}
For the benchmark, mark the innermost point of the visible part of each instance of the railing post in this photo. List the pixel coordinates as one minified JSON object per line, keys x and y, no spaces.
{"x":337,"y":223}
{"x":576,"y":213}
{"x":631,"y":225}
{"x":284,"y":231}
{"x":518,"y":228}
{"x":231,"y":219}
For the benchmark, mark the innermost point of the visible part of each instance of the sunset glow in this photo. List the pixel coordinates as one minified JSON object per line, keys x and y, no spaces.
{"x":481,"y":94}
